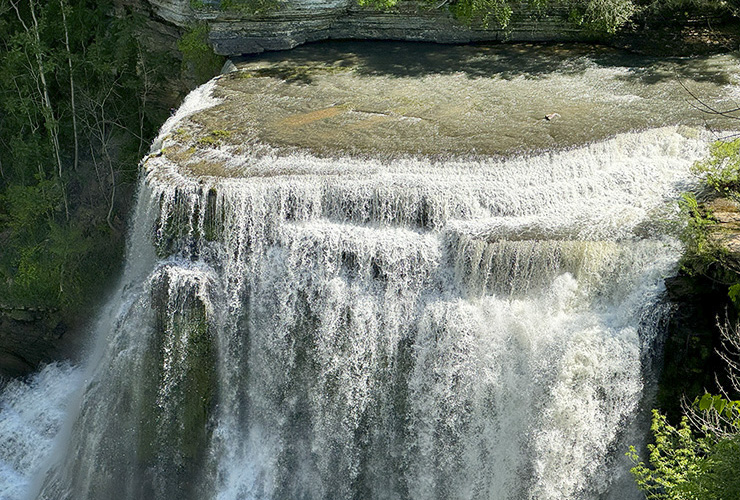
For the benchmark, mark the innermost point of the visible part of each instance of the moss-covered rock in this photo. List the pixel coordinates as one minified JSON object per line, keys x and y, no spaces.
{"x":179,"y":393}
{"x":691,"y":364}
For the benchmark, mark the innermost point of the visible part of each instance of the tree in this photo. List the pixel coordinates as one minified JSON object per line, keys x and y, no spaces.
{"x":77,"y":112}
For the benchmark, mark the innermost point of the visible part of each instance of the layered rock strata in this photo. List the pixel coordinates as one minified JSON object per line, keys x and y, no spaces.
{"x":300,"y":21}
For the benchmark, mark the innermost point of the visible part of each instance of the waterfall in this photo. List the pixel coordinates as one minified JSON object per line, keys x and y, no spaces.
{"x":341,"y":328}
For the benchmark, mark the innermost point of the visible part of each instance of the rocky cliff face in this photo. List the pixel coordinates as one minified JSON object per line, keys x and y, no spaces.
{"x":27,"y":338}
{"x":301,"y":21}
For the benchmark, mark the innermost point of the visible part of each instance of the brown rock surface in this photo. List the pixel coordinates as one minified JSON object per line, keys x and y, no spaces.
{"x":726,"y":232}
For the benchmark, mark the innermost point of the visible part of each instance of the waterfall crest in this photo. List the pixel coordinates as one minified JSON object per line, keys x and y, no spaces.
{"x":407,"y":329}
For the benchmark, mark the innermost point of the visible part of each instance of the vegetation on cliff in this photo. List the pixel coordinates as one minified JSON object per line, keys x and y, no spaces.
{"x":80,"y":103}
{"x":699,"y":458}
{"x":198,"y":58}
{"x":599,"y":16}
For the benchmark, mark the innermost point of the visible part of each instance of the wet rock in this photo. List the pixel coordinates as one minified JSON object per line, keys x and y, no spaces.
{"x":12,"y":365}
{"x":27,"y":338}
{"x":691,"y":364}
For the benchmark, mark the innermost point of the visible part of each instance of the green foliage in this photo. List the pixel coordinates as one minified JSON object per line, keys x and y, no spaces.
{"x":378,"y":4}
{"x":700,"y":253}
{"x":688,"y":465}
{"x":734,"y":293}
{"x":197,"y":55}
{"x":684,"y":8}
{"x":248,"y":7}
{"x":603,"y":16}
{"x":721,"y":480}
{"x":486,"y":11}
{"x":676,"y":461}
{"x":251,"y":7}
{"x":721,"y":170}
{"x":77,"y":115}
{"x":702,"y":464}
{"x":727,"y":410}
{"x":600,"y":17}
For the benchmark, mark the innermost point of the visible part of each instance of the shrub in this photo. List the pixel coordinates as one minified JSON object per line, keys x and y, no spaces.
{"x":721,"y":170}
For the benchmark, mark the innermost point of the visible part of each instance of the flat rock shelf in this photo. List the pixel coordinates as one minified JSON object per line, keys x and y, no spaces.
{"x":387,"y":99}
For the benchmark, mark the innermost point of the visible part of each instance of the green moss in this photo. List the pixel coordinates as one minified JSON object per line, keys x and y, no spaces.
{"x":212,"y":222}
{"x":214,"y":138}
{"x":209,"y":140}
{"x":198,"y":57}
{"x":169,"y":232}
{"x":251,"y":7}
{"x":183,"y":227}
{"x":181,"y":361}
{"x":182,"y":135}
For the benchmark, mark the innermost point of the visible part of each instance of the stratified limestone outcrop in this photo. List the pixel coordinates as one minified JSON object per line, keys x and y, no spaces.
{"x":234,"y":32}
{"x":692,"y":363}
{"x":726,"y":233}
{"x":300,"y":21}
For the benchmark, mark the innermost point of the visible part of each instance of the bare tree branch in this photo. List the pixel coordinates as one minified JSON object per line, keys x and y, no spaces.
{"x":701,"y":105}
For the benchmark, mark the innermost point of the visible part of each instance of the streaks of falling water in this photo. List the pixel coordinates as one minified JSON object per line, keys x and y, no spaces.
{"x":450,"y":330}
{"x":357,"y":328}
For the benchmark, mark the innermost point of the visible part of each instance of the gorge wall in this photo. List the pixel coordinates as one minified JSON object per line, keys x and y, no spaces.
{"x":313,"y":307}
{"x":235,"y":32}
{"x":301,"y":21}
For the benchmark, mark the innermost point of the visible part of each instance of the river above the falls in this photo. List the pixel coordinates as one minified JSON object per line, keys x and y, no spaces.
{"x":390,"y":98}
{"x":378,"y":271}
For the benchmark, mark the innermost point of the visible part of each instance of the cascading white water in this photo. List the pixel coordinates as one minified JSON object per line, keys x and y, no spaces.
{"x":336,"y":328}
{"x":31,"y":415}
{"x":351,"y":328}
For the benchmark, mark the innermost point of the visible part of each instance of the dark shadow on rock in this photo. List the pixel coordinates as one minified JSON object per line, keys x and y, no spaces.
{"x":506,"y":61}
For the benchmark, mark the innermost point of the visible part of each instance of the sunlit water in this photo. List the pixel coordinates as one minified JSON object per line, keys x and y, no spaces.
{"x":337,"y":326}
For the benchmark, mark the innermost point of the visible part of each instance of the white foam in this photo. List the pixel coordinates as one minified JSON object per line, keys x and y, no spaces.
{"x":197,"y":100}
{"x":31,"y":413}
{"x":400,"y":329}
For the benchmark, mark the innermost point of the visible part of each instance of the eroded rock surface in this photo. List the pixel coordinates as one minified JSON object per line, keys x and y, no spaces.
{"x":301,"y":21}
{"x":726,"y":233}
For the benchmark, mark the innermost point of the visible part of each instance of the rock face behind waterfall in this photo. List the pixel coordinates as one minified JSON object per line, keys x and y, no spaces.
{"x":234,"y":32}
{"x":346,"y":281}
{"x":300,"y":21}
